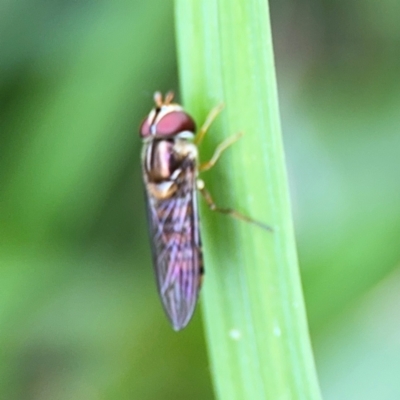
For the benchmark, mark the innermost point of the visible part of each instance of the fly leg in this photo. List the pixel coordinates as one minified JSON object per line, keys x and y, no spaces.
{"x":228,"y":211}
{"x":218,"y":151}
{"x":222,"y":146}
{"x":209,"y":120}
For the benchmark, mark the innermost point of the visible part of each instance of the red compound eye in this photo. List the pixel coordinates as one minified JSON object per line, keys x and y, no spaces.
{"x":173,"y":123}
{"x":145,"y":128}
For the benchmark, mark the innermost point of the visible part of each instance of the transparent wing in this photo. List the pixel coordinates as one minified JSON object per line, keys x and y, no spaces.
{"x":176,"y":248}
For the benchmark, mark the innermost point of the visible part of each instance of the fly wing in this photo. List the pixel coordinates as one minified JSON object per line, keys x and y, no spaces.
{"x":176,"y":247}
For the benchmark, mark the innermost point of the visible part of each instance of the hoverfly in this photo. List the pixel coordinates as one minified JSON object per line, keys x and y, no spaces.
{"x":170,"y":173}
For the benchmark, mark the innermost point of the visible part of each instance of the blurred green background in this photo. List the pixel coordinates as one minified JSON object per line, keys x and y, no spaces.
{"x":79,"y":313}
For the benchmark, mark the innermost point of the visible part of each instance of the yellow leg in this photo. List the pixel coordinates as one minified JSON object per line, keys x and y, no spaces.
{"x":228,"y":211}
{"x":218,"y":151}
{"x":209,"y":120}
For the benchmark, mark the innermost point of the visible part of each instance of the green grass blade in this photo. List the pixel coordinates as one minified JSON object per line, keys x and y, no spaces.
{"x":252,"y":300}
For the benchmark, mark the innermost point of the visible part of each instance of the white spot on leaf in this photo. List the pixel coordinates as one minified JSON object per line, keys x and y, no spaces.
{"x":277,"y":330}
{"x":235,"y":334}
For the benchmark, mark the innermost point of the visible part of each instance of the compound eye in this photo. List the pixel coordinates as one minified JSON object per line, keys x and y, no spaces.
{"x":175,"y":122}
{"x":145,"y":128}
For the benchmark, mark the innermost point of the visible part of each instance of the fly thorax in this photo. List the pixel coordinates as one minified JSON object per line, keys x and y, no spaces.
{"x":185,"y":149}
{"x":159,"y":160}
{"x":162,"y":164}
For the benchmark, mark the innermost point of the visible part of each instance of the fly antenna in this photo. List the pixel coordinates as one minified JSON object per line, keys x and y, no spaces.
{"x":158,"y":99}
{"x":169,"y":97}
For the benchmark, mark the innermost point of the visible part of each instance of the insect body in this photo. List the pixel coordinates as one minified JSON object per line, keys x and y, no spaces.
{"x":169,"y":162}
{"x":170,"y":173}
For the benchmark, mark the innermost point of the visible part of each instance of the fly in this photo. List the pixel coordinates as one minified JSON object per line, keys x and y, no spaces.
{"x":170,"y":174}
